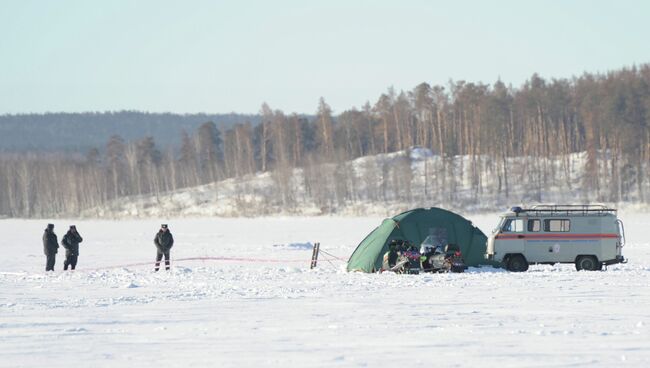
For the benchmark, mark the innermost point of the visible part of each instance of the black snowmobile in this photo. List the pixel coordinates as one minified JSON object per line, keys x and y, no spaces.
{"x":408,"y":259}
{"x":437,"y":259}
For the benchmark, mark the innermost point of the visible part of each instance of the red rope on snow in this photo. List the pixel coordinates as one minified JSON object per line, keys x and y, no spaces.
{"x":240,"y":259}
{"x":230,"y":259}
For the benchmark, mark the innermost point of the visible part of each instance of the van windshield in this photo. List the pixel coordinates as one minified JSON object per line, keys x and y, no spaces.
{"x":500,"y":226}
{"x":513,"y":226}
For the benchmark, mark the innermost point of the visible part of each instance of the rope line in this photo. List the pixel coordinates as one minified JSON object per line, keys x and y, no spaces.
{"x":328,"y":260}
{"x":221,"y":258}
{"x":228,"y":259}
{"x":333,"y":256}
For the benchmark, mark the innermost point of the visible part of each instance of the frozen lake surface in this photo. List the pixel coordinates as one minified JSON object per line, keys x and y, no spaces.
{"x":268,"y":309}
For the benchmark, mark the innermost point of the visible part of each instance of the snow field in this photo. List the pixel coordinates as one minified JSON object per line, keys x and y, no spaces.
{"x":221,"y":313}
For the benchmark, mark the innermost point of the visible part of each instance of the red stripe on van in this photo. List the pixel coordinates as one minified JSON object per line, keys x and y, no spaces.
{"x":556,"y":236}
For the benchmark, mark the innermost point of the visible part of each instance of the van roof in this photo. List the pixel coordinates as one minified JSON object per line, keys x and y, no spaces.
{"x":563,"y":210}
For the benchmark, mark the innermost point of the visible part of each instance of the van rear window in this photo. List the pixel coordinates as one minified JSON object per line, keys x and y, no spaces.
{"x":557,"y":225}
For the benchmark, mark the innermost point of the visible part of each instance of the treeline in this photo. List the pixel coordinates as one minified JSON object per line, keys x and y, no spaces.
{"x":542,"y":122}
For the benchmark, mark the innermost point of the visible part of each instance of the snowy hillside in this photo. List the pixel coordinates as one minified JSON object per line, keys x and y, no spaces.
{"x":379,"y":185}
{"x":252,"y":301}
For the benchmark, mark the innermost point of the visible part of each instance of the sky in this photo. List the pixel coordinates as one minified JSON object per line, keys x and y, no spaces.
{"x":231,"y":56}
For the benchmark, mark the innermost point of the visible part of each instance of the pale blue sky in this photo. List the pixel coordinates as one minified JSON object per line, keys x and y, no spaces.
{"x":223,"y":56}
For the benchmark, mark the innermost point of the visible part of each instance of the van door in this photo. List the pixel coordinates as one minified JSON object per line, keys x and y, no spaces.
{"x":538,"y":248}
{"x":510,"y":239}
{"x":548,"y":244}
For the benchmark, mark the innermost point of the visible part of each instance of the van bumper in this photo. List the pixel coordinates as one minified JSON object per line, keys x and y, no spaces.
{"x":618,"y":259}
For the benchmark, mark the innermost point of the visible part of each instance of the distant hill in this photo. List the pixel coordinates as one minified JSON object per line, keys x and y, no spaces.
{"x":78,"y":132}
{"x":377,"y":185}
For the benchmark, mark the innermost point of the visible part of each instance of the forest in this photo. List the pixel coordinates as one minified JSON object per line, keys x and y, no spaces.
{"x":538,"y":125}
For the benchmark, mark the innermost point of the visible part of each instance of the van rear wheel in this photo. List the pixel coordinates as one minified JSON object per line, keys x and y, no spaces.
{"x":517,"y":263}
{"x":588,"y":263}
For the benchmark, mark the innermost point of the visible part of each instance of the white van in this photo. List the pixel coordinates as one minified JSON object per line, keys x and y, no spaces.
{"x":589,"y":236}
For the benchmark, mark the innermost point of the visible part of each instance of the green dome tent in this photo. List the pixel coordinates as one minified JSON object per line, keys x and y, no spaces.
{"x":414,"y":226}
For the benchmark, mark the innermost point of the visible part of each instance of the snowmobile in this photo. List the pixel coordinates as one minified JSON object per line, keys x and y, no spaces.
{"x":435,"y":259}
{"x":408,"y":259}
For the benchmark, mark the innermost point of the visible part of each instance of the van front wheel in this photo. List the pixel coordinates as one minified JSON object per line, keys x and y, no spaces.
{"x":517,"y":263}
{"x":588,"y":263}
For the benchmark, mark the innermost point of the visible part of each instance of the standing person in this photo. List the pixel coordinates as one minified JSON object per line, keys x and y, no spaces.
{"x":426,"y":252}
{"x":50,"y":247}
{"x":164,"y":242}
{"x":71,"y":242}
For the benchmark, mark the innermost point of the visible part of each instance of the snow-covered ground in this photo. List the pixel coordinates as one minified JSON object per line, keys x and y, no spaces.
{"x":269,"y":309}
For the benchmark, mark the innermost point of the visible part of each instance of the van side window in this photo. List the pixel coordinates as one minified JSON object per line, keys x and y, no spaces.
{"x":557,"y":225}
{"x":513,"y":226}
{"x":534,"y":225}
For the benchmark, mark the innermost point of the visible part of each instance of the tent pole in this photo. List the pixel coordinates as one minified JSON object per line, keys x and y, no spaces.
{"x":314,"y":255}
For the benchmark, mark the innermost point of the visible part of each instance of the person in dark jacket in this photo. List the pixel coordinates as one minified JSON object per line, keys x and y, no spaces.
{"x":390,"y":257}
{"x":50,"y":247}
{"x":164,"y":242}
{"x":71,"y":242}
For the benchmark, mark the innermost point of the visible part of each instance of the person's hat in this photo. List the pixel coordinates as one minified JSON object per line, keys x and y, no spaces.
{"x":73,"y":227}
{"x":50,"y":226}
{"x":164,"y":226}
